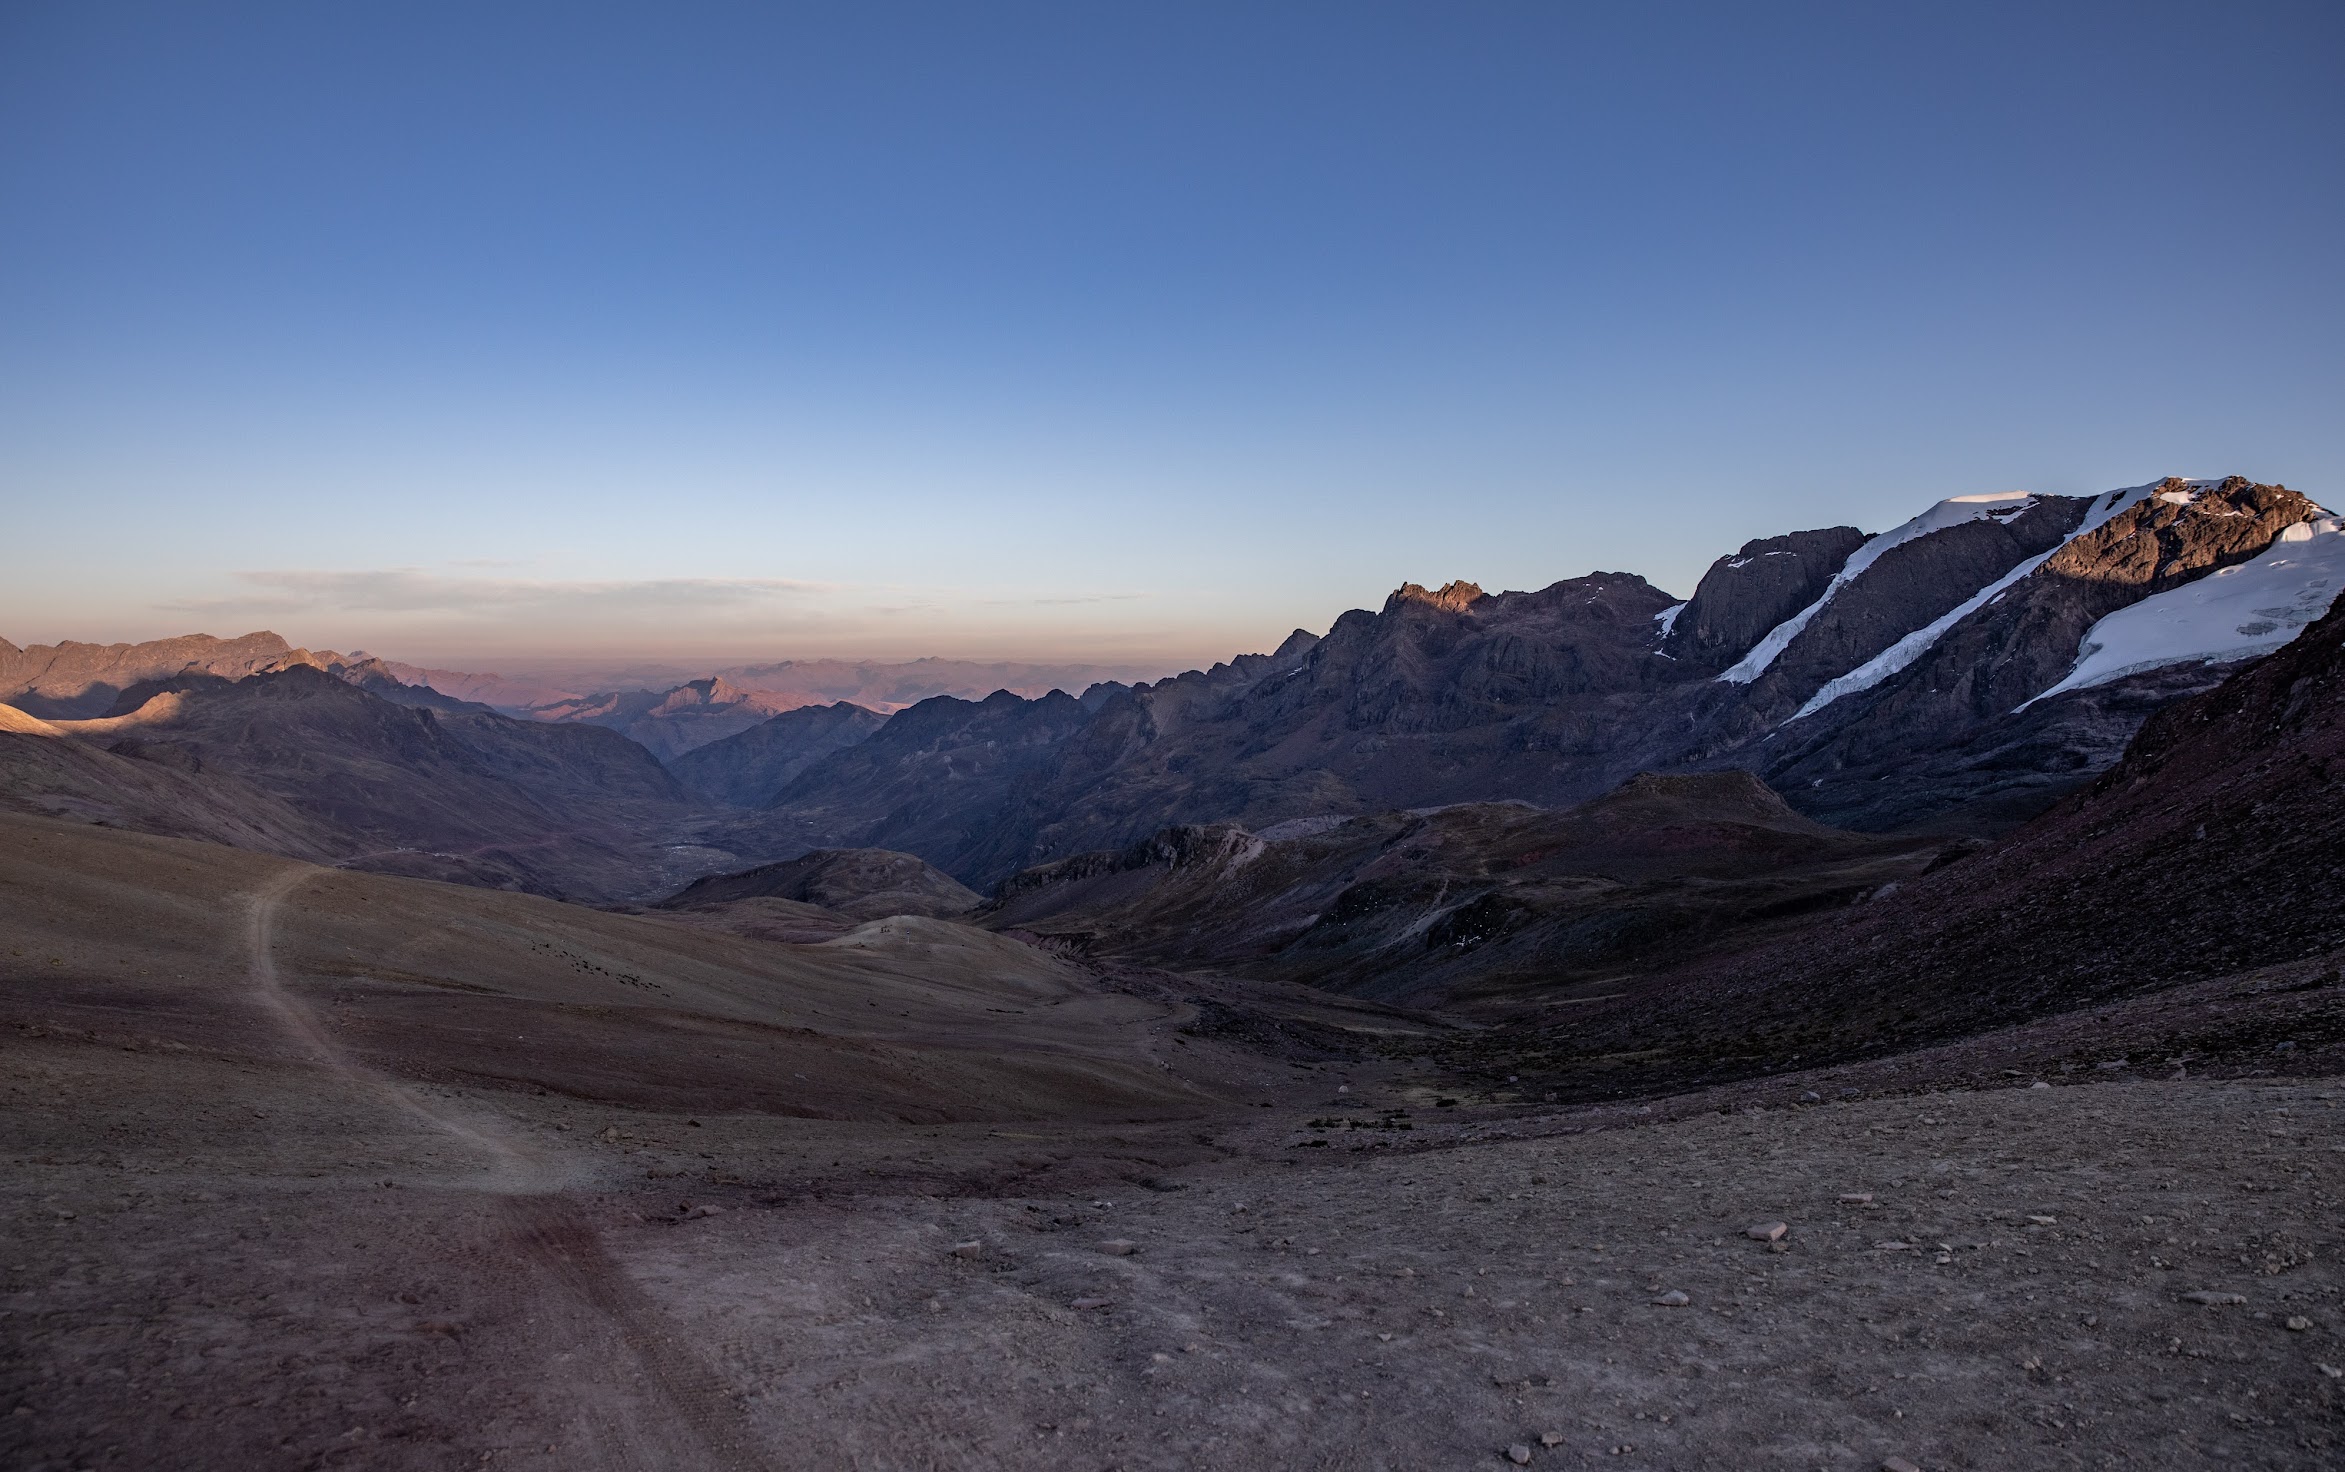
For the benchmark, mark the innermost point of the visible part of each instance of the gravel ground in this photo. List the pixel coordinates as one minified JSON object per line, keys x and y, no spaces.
{"x":314,"y":1171}
{"x":2013,"y":1293}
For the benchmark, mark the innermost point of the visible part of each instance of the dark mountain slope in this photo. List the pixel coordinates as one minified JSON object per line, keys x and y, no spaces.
{"x":1956,"y":706}
{"x":149,"y":788}
{"x":939,"y":779}
{"x":750,"y":769}
{"x":863,"y":883}
{"x":1744,"y":595}
{"x":2215,"y":847}
{"x":570,"y":810}
{"x":1907,"y":587}
{"x":1474,"y":901}
{"x":1442,"y":697}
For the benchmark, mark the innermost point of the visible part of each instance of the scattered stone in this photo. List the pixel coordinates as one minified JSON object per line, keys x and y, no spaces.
{"x":1893,"y":1246}
{"x":1766,"y":1232}
{"x":1674,"y":1298}
{"x":1119,"y":1247}
{"x":700,"y":1211}
{"x":2213,"y":1299}
{"x":1898,"y":1464}
{"x":2333,"y":1372}
{"x":968,"y":1249}
{"x":2039,"y":1084}
{"x":1091,"y":1303}
{"x":2045,"y":1221}
{"x":1550,"y":1438}
{"x":1856,"y":1198}
{"x":2299,"y":1323}
{"x":1781,"y":1245}
{"x":1519,"y":1454}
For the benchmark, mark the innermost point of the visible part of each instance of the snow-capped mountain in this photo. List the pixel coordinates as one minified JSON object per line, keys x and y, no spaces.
{"x":2234,"y":613}
{"x":1959,"y":670}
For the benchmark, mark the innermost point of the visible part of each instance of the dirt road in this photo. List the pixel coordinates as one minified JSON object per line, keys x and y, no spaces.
{"x":544,"y":1255}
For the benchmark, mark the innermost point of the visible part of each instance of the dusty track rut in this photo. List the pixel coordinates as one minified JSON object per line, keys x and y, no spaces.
{"x":544,"y":1234}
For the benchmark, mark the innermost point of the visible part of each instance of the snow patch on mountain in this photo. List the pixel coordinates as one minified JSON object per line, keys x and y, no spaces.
{"x":1953,"y":511}
{"x":1914,"y":645}
{"x":2240,"y":612}
{"x":1666,"y":619}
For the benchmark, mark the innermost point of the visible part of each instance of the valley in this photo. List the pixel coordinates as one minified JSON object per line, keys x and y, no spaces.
{"x":1103,"y":738}
{"x":270,"y":1208}
{"x":1400,"y":1048}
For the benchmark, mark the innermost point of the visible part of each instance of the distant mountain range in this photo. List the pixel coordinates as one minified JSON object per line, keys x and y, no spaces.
{"x":681,"y":717}
{"x":1952,"y":676}
{"x":1958,"y":673}
{"x":256,"y":744}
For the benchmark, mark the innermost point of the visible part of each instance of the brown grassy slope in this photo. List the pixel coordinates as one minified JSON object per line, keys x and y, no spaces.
{"x":141,"y":942}
{"x":153,"y":790}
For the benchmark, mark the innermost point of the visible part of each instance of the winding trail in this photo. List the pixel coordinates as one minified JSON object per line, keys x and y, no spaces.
{"x":546,"y":1245}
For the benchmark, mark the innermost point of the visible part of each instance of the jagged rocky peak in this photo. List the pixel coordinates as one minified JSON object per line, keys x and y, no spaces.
{"x":1296,"y":644}
{"x":1451,"y":597}
{"x":2181,"y":529}
{"x":1744,"y":595}
{"x":714,"y":690}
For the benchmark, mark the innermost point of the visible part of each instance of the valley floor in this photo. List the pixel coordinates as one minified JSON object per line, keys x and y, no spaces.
{"x":239,"y":1238}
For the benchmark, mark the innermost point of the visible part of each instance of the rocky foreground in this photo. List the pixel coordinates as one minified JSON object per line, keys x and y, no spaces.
{"x":313,"y":1270}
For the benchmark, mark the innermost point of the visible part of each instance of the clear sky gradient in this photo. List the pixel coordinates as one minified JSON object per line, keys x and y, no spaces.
{"x":1108,"y":331}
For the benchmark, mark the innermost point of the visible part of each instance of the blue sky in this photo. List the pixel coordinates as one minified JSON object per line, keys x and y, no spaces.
{"x":476,"y":332}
